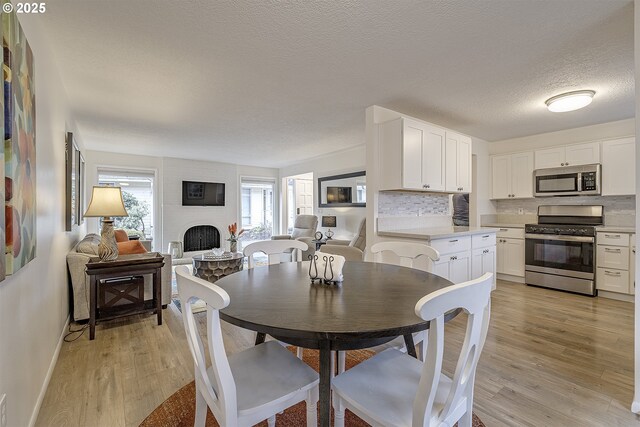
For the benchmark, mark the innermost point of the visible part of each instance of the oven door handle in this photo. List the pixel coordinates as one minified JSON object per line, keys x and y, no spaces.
{"x":560,"y":237}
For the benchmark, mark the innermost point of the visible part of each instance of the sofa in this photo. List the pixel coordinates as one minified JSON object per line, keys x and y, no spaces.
{"x":352,"y":250}
{"x":304,"y":229}
{"x":76,"y":261}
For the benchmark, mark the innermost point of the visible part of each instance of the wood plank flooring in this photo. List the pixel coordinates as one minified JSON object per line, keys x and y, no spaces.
{"x":551,"y":359}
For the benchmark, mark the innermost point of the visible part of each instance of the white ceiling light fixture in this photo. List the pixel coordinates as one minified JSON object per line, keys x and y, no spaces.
{"x":570,"y":101}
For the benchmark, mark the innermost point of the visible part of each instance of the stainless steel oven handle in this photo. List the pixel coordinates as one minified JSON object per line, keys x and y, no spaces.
{"x":560,"y":237}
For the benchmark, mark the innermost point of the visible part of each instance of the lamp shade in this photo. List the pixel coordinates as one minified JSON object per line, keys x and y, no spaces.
{"x":329,"y":221}
{"x":106,"y":201}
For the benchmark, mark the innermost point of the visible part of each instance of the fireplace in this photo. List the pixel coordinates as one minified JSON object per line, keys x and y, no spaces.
{"x":201,"y":238}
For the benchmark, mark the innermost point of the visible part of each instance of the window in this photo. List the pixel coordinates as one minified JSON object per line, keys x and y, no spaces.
{"x":257,"y":201}
{"x":138,"y":195}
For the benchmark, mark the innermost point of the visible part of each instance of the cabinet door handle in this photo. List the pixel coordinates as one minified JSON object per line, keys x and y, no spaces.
{"x":486,"y":251}
{"x":633,"y":250}
{"x":485,"y":237}
{"x":427,"y":186}
{"x":612,"y":236}
{"x":453,"y":241}
{"x":566,"y":163}
{"x":612,"y":273}
{"x":561,"y":164}
{"x":504,"y":229}
{"x":617,"y":251}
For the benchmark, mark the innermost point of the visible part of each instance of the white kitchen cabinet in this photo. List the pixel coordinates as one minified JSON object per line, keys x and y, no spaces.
{"x":632,"y":266}
{"x":549,"y":158}
{"x":483,"y":261}
{"x":413,"y":156}
{"x":457,"y":163}
{"x":510,"y":257}
{"x":455,"y":267}
{"x":512,"y":176}
{"x":618,"y":167}
{"x":568,"y":155}
{"x":615,"y":260}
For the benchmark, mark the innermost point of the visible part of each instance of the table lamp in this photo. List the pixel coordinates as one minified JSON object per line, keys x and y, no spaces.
{"x":329,"y":221}
{"x":106,"y":202}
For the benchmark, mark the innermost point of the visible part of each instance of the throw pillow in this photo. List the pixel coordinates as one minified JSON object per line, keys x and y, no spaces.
{"x":131,"y":247}
{"x":88,"y":245}
{"x":121,"y":236}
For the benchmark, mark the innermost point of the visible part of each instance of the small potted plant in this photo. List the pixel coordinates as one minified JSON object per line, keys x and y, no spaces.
{"x":233,"y":236}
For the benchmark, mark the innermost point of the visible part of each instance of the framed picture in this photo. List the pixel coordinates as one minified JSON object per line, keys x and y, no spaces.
{"x":72,"y":158}
{"x":81,"y":189}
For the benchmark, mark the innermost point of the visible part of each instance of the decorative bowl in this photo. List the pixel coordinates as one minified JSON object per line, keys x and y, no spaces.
{"x":217,"y":251}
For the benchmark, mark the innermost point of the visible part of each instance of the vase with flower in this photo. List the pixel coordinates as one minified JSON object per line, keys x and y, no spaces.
{"x":234,"y":234}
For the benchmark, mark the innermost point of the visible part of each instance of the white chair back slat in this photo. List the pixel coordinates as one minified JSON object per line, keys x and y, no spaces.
{"x":274,"y":250}
{"x":474,"y":298}
{"x":408,"y":252}
{"x":221,"y":395}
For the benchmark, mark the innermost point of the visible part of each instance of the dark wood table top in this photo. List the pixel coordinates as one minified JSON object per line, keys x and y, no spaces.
{"x":133,"y":260}
{"x":374,"y":301}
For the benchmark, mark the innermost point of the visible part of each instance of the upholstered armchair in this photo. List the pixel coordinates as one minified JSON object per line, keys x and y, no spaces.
{"x":352,"y":250}
{"x":304,"y":229}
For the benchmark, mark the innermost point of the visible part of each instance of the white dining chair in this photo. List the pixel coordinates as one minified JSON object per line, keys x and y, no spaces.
{"x":247,"y":387}
{"x":408,"y":252}
{"x":274,"y":250}
{"x":394,"y":389}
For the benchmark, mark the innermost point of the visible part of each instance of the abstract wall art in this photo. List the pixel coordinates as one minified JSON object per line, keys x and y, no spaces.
{"x":19,"y":145}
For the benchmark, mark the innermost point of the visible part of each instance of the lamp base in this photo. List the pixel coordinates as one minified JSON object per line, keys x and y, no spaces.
{"x":108,"y":248}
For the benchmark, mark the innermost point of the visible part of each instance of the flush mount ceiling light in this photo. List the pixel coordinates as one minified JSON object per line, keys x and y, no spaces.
{"x":570,"y":101}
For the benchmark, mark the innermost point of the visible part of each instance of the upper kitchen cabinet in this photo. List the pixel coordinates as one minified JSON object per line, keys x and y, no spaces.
{"x":415,"y":155}
{"x":457,"y":163}
{"x":618,"y":167}
{"x":568,"y":155}
{"x":512,"y":176}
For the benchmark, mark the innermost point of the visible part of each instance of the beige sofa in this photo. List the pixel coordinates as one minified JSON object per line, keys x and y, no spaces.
{"x":77,"y":260}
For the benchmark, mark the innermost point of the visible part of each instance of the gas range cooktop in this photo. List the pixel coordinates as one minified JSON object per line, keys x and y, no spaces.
{"x":561,"y":229}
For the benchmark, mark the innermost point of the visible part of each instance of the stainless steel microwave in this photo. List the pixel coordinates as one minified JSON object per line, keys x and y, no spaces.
{"x":567,"y":181}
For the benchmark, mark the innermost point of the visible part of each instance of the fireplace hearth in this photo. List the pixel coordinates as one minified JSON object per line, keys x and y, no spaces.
{"x":201,"y":238}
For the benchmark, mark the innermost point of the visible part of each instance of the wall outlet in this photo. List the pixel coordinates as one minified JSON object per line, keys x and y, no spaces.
{"x":520,"y":211}
{"x":3,"y":410}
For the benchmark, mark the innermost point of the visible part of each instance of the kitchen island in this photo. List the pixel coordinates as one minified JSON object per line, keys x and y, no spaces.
{"x":465,"y":252}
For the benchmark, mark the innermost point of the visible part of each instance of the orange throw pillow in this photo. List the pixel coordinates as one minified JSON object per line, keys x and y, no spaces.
{"x":131,"y":247}
{"x":121,"y":236}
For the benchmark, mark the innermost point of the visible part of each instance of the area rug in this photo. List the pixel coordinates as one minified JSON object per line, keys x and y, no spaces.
{"x":179,"y":409}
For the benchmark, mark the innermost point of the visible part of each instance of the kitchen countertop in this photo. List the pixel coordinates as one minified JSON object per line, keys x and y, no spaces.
{"x":430,"y":233}
{"x":615,"y":229}
{"x":503,"y":225}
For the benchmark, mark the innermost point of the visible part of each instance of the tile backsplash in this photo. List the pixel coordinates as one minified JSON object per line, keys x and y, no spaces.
{"x":397,"y":203}
{"x":618,"y":210}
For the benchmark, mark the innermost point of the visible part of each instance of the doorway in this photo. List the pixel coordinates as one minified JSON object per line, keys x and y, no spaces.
{"x":299,"y":200}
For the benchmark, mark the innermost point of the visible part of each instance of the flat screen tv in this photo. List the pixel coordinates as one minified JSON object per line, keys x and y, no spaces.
{"x":202,"y":193}
{"x":338,"y":195}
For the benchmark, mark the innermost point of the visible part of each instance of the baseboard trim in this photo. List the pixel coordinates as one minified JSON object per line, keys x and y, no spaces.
{"x":616,"y":296}
{"x":47,"y":378}
{"x":510,"y":278}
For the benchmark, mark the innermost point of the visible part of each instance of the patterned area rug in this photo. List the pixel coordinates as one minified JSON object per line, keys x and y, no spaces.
{"x":179,"y":409}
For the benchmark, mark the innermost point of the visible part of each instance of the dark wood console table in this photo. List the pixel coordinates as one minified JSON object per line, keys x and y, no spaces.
{"x":125,"y":266}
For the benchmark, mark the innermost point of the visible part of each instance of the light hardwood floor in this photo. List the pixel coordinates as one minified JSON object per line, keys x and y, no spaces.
{"x":551,"y":359}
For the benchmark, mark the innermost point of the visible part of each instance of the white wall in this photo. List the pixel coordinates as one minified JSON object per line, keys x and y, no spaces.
{"x":344,"y":161}
{"x":173,"y":219}
{"x":34,"y":302}
{"x":635,"y":407}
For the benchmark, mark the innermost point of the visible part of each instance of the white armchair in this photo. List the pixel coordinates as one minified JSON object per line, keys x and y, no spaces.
{"x":352,"y":250}
{"x":304,"y":229}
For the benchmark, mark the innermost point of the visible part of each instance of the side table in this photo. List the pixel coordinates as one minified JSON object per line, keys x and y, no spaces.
{"x":213,"y":268}
{"x":123,"y":266}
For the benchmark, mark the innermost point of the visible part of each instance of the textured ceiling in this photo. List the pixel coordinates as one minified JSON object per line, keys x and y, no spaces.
{"x":272,"y":83}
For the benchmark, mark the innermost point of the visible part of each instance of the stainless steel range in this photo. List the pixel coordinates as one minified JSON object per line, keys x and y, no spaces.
{"x":560,"y":248}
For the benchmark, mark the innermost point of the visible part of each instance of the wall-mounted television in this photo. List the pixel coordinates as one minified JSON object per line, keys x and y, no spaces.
{"x":338,"y":195}
{"x":202,"y":193}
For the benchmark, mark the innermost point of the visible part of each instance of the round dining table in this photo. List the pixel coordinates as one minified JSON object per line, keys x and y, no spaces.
{"x":373,"y":305}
